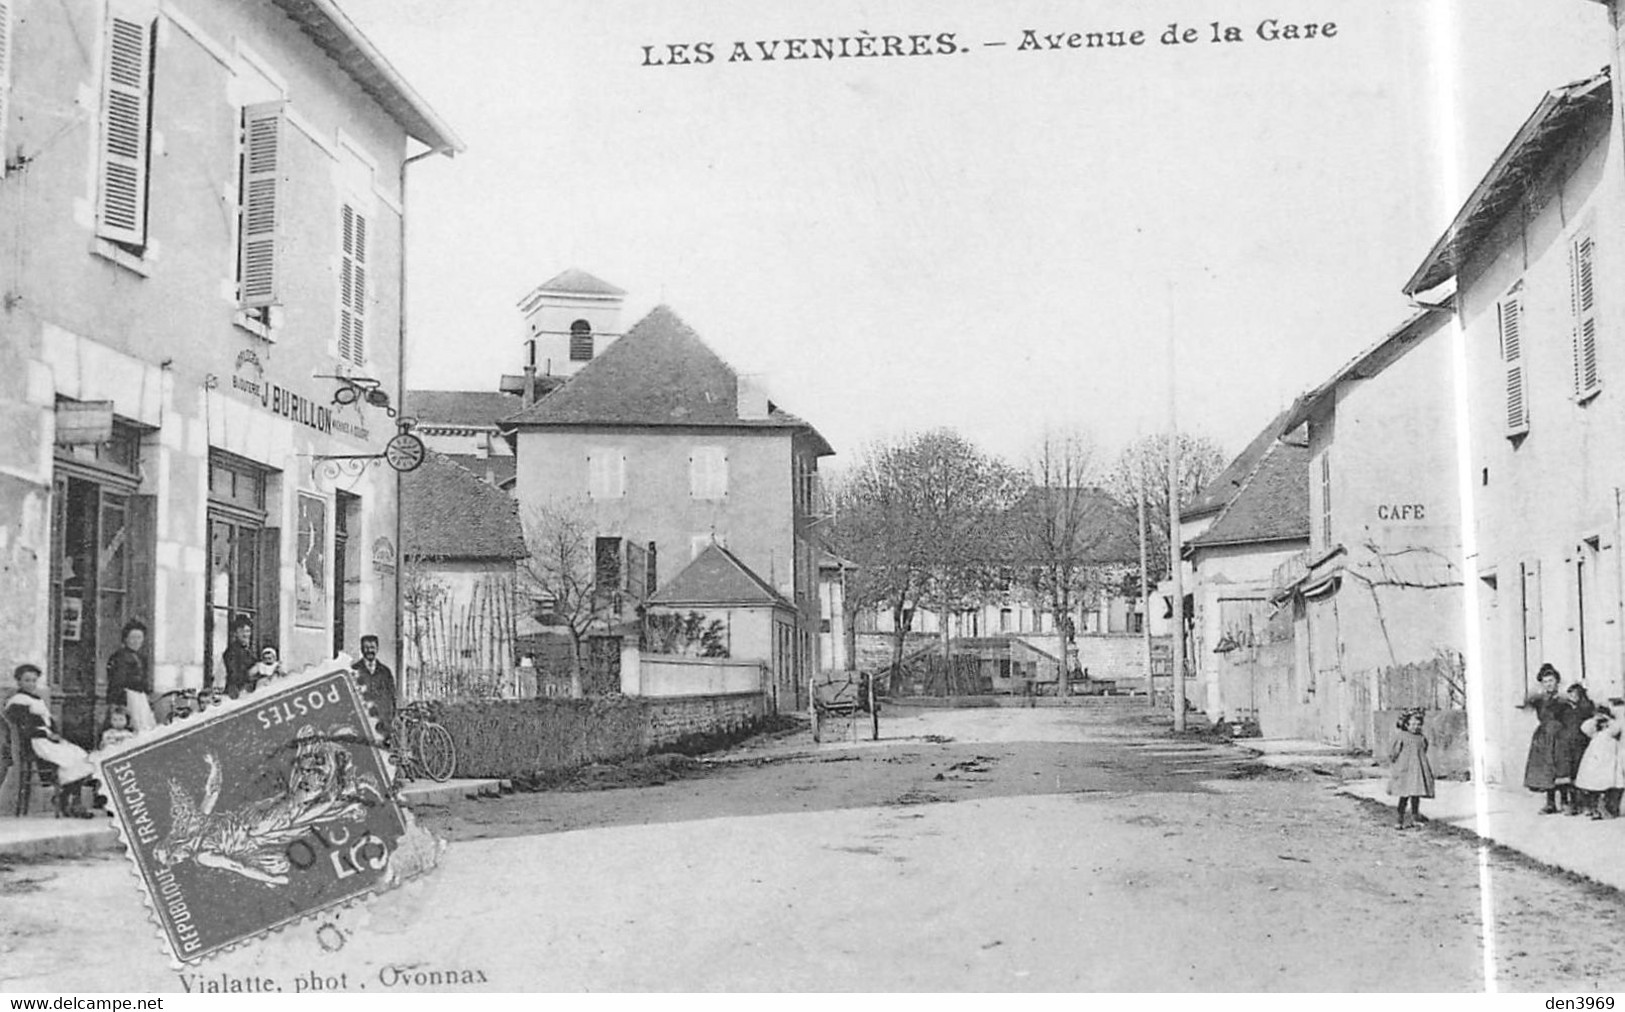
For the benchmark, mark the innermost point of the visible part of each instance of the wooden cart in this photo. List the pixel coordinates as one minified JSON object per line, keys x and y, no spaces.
{"x":843,"y":695}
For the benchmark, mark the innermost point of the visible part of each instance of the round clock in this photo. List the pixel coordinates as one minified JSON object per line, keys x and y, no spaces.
{"x":404,"y":452}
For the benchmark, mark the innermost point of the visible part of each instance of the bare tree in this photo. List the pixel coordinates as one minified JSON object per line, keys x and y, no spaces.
{"x":920,"y":520}
{"x":1142,"y":468}
{"x":1067,"y":526}
{"x":562,"y":571}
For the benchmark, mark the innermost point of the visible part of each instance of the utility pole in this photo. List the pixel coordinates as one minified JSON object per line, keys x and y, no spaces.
{"x":1145,"y":600}
{"x":1174,"y":546}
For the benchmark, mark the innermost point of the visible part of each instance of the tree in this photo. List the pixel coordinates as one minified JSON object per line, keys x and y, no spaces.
{"x":1143,"y":466}
{"x":920,"y":518}
{"x":562,"y":572}
{"x":1065,"y":526}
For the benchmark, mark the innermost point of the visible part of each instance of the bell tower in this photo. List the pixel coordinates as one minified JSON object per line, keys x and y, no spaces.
{"x":568,"y":321}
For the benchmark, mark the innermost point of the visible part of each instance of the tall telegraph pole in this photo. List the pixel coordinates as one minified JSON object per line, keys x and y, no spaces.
{"x":1174,"y":546}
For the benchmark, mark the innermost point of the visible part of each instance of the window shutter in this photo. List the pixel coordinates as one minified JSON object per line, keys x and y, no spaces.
{"x":122,"y":212}
{"x":5,"y":77}
{"x":1581,"y":255}
{"x":353,"y":287}
{"x":260,"y":204}
{"x":1517,"y":401}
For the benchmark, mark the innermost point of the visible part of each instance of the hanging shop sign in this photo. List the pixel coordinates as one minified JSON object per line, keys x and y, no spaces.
{"x":80,"y":423}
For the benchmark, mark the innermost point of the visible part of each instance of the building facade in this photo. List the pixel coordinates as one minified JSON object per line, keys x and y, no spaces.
{"x":666,"y":450}
{"x":1248,"y":521}
{"x":1377,"y":622}
{"x":203,"y":210}
{"x":1527,"y":257}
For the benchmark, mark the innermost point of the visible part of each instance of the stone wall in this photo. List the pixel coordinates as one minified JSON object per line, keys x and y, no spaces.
{"x":510,"y":738}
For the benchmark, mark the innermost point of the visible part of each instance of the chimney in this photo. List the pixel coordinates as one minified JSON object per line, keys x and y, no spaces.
{"x":752,"y":397}
{"x":530,"y":371}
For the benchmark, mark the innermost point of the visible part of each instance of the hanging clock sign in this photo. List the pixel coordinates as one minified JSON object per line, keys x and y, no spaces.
{"x":404,"y":452}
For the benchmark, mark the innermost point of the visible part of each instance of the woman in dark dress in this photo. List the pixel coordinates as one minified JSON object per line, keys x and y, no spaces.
{"x":1572,"y":743}
{"x":127,"y":673}
{"x":1540,"y":773}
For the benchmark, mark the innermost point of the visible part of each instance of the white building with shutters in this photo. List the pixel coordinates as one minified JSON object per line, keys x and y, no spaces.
{"x":200,"y":267}
{"x":1524,"y":264}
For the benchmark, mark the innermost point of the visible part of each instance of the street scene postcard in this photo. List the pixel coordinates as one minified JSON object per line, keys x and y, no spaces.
{"x":640,"y":496}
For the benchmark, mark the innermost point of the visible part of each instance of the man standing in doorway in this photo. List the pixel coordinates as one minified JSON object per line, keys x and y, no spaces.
{"x":238,"y":658}
{"x":378,"y":681}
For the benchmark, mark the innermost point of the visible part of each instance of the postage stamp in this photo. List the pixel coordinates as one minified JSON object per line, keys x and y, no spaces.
{"x":267,"y":810}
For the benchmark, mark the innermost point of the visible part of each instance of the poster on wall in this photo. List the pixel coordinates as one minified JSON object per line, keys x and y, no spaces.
{"x":310,"y":570}
{"x":73,"y":618}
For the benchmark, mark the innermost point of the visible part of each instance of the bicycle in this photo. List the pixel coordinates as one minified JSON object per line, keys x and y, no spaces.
{"x":422,"y":746}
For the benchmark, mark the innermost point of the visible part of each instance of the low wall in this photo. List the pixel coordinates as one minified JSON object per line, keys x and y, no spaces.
{"x":1446,"y":734}
{"x":660,"y":675}
{"x":511,"y":738}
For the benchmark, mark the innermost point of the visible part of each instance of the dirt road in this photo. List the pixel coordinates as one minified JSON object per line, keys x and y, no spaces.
{"x":988,"y":849}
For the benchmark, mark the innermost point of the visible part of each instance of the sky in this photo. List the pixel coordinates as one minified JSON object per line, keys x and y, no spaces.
{"x":995,"y":238}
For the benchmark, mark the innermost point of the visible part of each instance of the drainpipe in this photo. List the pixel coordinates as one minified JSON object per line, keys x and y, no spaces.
{"x":400,"y":395}
{"x":1619,"y":593}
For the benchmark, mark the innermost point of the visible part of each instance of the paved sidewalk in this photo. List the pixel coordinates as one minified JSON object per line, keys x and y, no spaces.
{"x":47,"y":836}
{"x":1511,"y":818}
{"x":1297,"y":753}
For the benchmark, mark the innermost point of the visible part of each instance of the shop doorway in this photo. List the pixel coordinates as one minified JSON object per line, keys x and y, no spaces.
{"x":346,"y":572}
{"x":244,"y":560}
{"x":103,"y":556}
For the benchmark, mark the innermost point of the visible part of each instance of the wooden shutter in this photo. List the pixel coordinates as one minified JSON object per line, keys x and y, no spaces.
{"x":1581,"y":256}
{"x":353,"y":287}
{"x":268,"y":589}
{"x":1517,"y":395}
{"x":126,"y":125}
{"x":1530,"y":622}
{"x":5,"y":77}
{"x":259,"y":208}
{"x":141,"y":541}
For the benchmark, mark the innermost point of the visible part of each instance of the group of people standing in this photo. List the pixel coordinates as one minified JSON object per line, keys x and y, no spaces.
{"x":1575,"y":755}
{"x":130,"y":703}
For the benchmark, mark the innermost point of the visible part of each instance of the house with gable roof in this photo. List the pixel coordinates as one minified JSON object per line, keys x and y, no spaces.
{"x":461,"y":608}
{"x":757,"y":622}
{"x":1247,"y":522}
{"x":669,"y":450}
{"x":1525,"y":264}
{"x":1374,"y":603}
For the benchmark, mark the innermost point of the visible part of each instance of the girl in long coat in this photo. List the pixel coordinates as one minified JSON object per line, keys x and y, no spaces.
{"x":1598,"y":779}
{"x":1410,"y":776}
{"x":1572,"y":743}
{"x":1541,"y":771}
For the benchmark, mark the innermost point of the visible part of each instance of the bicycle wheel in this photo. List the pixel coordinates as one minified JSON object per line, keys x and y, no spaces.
{"x":436,"y":752}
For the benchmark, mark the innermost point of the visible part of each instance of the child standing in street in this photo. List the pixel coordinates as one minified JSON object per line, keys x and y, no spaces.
{"x":1410,"y":778}
{"x":1598,"y":778}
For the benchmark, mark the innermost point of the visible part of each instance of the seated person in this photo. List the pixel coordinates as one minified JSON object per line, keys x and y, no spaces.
{"x":27,"y":712}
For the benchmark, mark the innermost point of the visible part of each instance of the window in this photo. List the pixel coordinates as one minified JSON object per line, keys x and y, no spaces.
{"x":1582,"y":294}
{"x":651,"y":580}
{"x":258,"y":199}
{"x":1510,"y":314}
{"x":121,"y":212}
{"x":607,"y":564}
{"x":244,"y":574}
{"x":580,"y":341}
{"x":708,"y":473}
{"x":353,"y":286}
{"x":606,"y":473}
